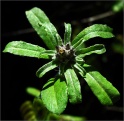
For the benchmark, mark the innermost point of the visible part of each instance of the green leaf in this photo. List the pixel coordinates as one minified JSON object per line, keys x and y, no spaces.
{"x":102,"y":89}
{"x":118,"y":6}
{"x":45,"y":68}
{"x":80,"y":60}
{"x":66,"y":117}
{"x":49,"y":52}
{"x":25,"y":49}
{"x":74,"y":89}
{"x":94,"y":34}
{"x":97,"y":48}
{"x":67,"y":35}
{"x":33,"y":91}
{"x":80,"y":69}
{"x":44,"y":28}
{"x":96,"y":30}
{"x":54,"y":95}
{"x":40,"y":110}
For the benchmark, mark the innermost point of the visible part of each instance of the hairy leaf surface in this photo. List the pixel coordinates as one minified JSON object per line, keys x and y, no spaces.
{"x":96,"y":30}
{"x":44,"y":28}
{"x":25,"y":49}
{"x":101,"y":87}
{"x":45,"y":68}
{"x":97,"y":48}
{"x":80,"y":69}
{"x":74,"y":89}
{"x":67,"y":35}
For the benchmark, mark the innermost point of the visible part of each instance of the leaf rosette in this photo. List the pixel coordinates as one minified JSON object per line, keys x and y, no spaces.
{"x":68,"y":56}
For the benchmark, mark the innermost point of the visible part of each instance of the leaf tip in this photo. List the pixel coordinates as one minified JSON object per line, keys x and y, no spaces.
{"x":37,"y":75}
{"x":4,"y":50}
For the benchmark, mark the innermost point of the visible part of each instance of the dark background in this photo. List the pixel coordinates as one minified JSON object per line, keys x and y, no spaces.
{"x":19,"y":72}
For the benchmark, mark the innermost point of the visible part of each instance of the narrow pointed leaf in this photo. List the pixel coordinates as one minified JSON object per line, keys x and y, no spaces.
{"x":80,"y":60}
{"x":49,"y":52}
{"x":97,"y":48}
{"x":102,"y":89}
{"x":45,"y":68}
{"x":25,"y":49}
{"x":74,"y":89}
{"x":80,"y":69}
{"x":96,"y":30}
{"x":61,"y":69}
{"x":67,"y":35}
{"x":54,"y":95}
{"x":44,"y":28}
{"x":92,"y":28}
{"x":77,"y":46}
